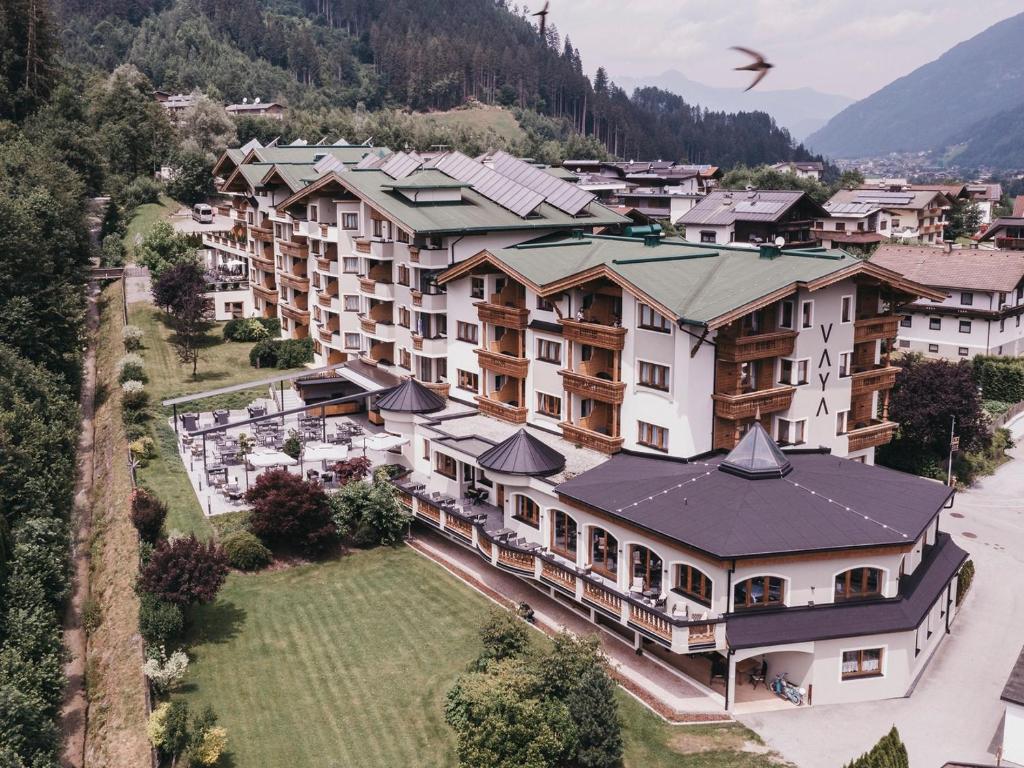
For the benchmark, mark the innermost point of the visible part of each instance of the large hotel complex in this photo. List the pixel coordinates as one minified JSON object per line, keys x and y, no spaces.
{"x":674,"y":438}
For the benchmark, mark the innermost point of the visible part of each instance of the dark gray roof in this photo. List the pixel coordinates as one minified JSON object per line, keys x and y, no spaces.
{"x":1013,"y":691}
{"x":725,"y":207}
{"x":522,"y":454}
{"x":824,"y":503}
{"x":918,"y":593}
{"x":756,"y":456}
{"x":411,"y":397}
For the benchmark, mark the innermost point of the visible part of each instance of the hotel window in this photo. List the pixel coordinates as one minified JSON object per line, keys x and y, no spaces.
{"x":544,"y":305}
{"x":563,"y":534}
{"x":748,"y":377}
{"x":863,"y":663}
{"x":445,"y":465}
{"x":549,"y":405}
{"x":468,"y":381}
{"x":845,"y":359}
{"x":350,"y":221}
{"x":467,"y":332}
{"x":651,"y":320}
{"x":759,"y":592}
{"x":858,"y":583}
{"x":786,"y":314}
{"x":476,"y":287}
{"x":693,"y":584}
{"x":895,"y":222}
{"x":840,"y":226}
{"x":586,"y":407}
{"x":791,"y":432}
{"x":426,"y":450}
{"x":904,"y":343}
{"x":351,"y":303}
{"x":846,"y":309}
{"x":965,"y":326}
{"x":967,"y":298}
{"x":351,"y":341}
{"x":403,"y":274}
{"x":402,"y":236}
{"x":934,"y":323}
{"x":653,"y":375}
{"x":906,"y":321}
{"x":794,"y":372}
{"x":403,"y":316}
{"x":404,"y":359}
{"x":807,"y":314}
{"x":312,"y":213}
{"x":647,"y":570}
{"x":842,"y":422}
{"x":883,"y":224}
{"x":527,"y":511}
{"x":652,"y":436}
{"x":549,"y":351}
{"x":962,"y":351}
{"x":314,"y":247}
{"x":604,"y":552}
{"x":707,"y":237}
{"x":350,"y":265}
{"x":378,"y":228}
{"x":933,"y":348}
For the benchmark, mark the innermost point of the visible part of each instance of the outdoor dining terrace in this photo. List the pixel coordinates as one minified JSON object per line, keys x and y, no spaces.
{"x":480,"y":526}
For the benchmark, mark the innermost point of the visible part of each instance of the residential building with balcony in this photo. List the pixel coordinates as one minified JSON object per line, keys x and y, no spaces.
{"x":752,"y":217}
{"x":853,"y":226}
{"x":801,"y":169}
{"x":981,"y":306}
{"x":914,"y":215}
{"x":1006,"y":233}
{"x":669,"y":347}
{"x":830,"y":571}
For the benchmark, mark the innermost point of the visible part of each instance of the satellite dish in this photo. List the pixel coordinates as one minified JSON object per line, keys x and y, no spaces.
{"x":780,"y":241}
{"x":245,"y":99}
{"x":256,"y":100}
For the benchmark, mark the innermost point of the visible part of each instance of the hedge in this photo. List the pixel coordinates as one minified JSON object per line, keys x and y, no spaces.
{"x":281,"y":353}
{"x":1000,"y":378}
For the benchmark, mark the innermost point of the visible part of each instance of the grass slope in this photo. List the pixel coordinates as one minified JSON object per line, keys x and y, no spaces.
{"x":347,"y":663}
{"x":145,"y":216}
{"x":482,"y":119}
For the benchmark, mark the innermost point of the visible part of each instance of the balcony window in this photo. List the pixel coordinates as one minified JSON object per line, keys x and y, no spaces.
{"x":863,"y":663}
{"x":794,"y":372}
{"x":378,"y":228}
{"x":544,"y":305}
{"x":604,"y":552}
{"x":791,"y":432}
{"x":846,"y":309}
{"x":469,"y":332}
{"x":350,"y":265}
{"x":652,"y":321}
{"x":549,"y":405}
{"x":907,"y":321}
{"x":748,"y":377}
{"x":312,"y":213}
{"x":403,"y":274}
{"x":842,"y":422}
{"x":405,"y":359}
{"x":965,"y":326}
{"x":652,"y":436}
{"x":445,"y":465}
{"x":586,"y":407}
{"x":563,"y":534}
{"x":351,"y":341}
{"x":549,"y":351}
{"x":402,"y":236}
{"x":350,"y":221}
{"x":468,"y":380}
{"x":476,"y":287}
{"x":807,"y":314}
{"x":786,"y":314}
{"x":527,"y":511}
{"x":646,"y":570}
{"x":351,"y":304}
{"x":653,"y":375}
{"x":694,"y":584}
{"x":858,"y":583}
{"x":759,"y":592}
{"x":967,"y":298}
{"x":403,"y":317}
{"x":935,"y":323}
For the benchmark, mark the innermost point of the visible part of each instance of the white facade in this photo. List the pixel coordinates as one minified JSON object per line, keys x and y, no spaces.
{"x":965,"y":324}
{"x":1013,"y":733}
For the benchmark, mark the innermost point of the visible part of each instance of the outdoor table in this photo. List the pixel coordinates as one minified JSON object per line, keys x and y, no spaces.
{"x":190,"y":421}
{"x":504,"y":533}
{"x":220,"y":416}
{"x":257,"y":410}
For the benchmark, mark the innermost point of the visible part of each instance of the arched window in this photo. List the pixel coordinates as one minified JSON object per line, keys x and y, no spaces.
{"x":759,"y":592}
{"x":858,"y":583}
{"x":646,"y":571}
{"x":527,"y":511}
{"x":604,"y":552}
{"x":563,"y":534}
{"x":694,"y":584}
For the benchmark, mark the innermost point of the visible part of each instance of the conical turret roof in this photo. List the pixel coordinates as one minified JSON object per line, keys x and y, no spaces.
{"x":756,"y":456}
{"x":522,"y":454}
{"x":410,"y":397}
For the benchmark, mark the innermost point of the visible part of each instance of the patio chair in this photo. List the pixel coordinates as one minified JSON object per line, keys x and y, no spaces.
{"x":637,"y":586}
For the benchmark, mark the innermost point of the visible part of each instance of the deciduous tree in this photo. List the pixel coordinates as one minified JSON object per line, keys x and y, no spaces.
{"x":291,"y":513}
{"x":184,"y":571}
{"x":181,"y":292}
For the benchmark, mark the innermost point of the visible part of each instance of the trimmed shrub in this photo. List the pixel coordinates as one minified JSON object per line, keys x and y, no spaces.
{"x":1000,"y":378}
{"x":245,"y":551}
{"x":160,"y":622}
{"x":281,"y":353}
{"x":148,"y":515}
{"x":143,"y":449}
{"x":135,"y":396}
{"x":264,"y":354}
{"x":964,"y":579}
{"x":245,"y":329}
{"x":131,"y":335}
{"x":131,"y":368}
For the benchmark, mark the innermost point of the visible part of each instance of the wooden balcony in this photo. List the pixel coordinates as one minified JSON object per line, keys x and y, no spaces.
{"x":462,"y":528}
{"x":295,"y":250}
{"x":362,"y":246}
{"x":324,"y":300}
{"x":701,"y":634}
{"x":414,"y":254}
{"x":324,"y":265}
{"x":747,"y":405}
{"x":588,"y":438}
{"x":558,"y":575}
{"x":872,"y":380}
{"x":508,"y":317}
{"x":417,"y":298}
{"x":294,"y":313}
{"x":878,"y":327}
{"x":368,"y":325}
{"x":757,"y":347}
{"x":496,"y":409}
{"x":518,"y":561}
{"x":267,"y":294}
{"x":264,"y":263}
{"x":503,"y":364}
{"x":263,"y":234}
{"x":871,"y":436}
{"x":594,"y":334}
{"x":441,"y":388}
{"x":605,"y":390}
{"x":294,"y":281}
{"x":651,"y":621}
{"x":417,"y":342}
{"x":325,"y":335}
{"x":602,"y":597}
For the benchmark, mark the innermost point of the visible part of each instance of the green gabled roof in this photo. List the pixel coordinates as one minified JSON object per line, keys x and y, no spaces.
{"x":295,"y":175}
{"x":698,"y":283}
{"x":308,"y":153}
{"x":473,"y":212}
{"x":253,"y":173}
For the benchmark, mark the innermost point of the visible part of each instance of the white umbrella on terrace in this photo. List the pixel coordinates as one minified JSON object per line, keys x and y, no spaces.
{"x":325,"y":452}
{"x":263,"y":459}
{"x":379,"y":442}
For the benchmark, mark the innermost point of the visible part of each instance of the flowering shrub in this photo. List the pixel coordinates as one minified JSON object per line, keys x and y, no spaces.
{"x":131,"y":368}
{"x":131,"y":335}
{"x":209,"y":745}
{"x":156,"y":728}
{"x":163,"y":672}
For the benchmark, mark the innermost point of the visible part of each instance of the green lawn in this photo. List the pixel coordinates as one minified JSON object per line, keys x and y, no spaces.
{"x":145,"y":216}
{"x":347,"y":663}
{"x":483,"y":119}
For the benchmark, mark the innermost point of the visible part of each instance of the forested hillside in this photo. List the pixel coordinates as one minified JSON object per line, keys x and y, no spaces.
{"x":324,"y":55}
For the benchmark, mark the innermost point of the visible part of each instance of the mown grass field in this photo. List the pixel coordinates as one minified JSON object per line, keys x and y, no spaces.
{"x":145,"y":216}
{"x":483,"y":119}
{"x":346,"y":663}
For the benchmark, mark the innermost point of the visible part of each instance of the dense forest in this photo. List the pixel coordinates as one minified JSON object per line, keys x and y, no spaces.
{"x":320,"y":56}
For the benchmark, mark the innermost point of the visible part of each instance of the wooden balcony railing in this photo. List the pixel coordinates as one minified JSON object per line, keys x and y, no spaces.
{"x":747,"y":405}
{"x":294,"y":313}
{"x":653,"y":622}
{"x":591,"y":386}
{"x":701,"y":634}
{"x":368,"y":325}
{"x":558,"y":575}
{"x":485,"y":545}
{"x":362,"y":246}
{"x":414,"y":254}
{"x":325,"y":335}
{"x":879,"y":327}
{"x":417,"y":298}
{"x":496,"y":409}
{"x":520,"y":561}
{"x":508,"y":317}
{"x":594,"y":334}
{"x":366,"y":285}
{"x":871,"y":436}
{"x":294,"y":281}
{"x":324,"y":300}
{"x":872,"y":380}
{"x":506,"y":365}
{"x":267,"y":294}
{"x":263,"y":234}
{"x":460,"y":527}
{"x":429,"y":510}
{"x":602,"y":597}
{"x":262,"y":261}
{"x":295,"y":250}
{"x":757,"y":347}
{"x":588,"y":438}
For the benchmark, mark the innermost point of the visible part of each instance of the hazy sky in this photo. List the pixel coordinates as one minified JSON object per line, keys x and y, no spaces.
{"x":852,"y":47}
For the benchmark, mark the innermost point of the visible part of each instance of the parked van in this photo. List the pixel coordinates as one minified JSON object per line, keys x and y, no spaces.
{"x":202,"y":213}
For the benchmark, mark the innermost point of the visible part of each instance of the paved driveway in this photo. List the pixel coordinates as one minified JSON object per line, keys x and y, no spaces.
{"x":955,"y":712}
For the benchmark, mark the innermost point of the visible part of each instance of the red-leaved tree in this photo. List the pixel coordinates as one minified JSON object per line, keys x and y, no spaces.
{"x":291,"y":513}
{"x":184,"y":571}
{"x":353,"y":469}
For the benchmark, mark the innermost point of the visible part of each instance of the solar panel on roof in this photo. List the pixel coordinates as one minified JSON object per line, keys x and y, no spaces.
{"x":401,"y":164}
{"x":372,"y":160}
{"x":886,"y":198}
{"x":489,"y":183}
{"x":327,"y":163}
{"x":759,"y":206}
{"x":561,"y":194}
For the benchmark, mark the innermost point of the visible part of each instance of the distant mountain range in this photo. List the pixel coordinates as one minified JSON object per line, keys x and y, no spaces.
{"x":968,"y":99}
{"x":802,"y":110}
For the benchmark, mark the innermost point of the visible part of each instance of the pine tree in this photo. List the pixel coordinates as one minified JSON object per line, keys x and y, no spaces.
{"x":594,"y":711}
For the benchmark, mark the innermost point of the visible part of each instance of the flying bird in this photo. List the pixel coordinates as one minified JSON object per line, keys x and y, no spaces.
{"x":543,"y":13}
{"x":759,"y":65}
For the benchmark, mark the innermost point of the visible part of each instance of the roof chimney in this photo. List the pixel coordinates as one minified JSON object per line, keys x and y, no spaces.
{"x":767,"y":251}
{"x":651,"y":240}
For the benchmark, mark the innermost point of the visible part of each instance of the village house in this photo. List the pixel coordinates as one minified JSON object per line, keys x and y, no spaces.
{"x":802,"y":169}
{"x":753,"y":216}
{"x":911,"y":215}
